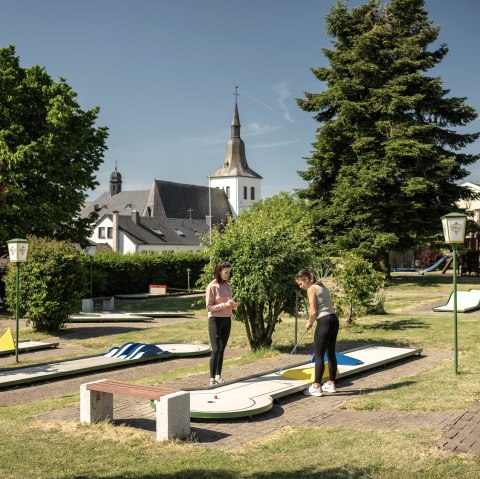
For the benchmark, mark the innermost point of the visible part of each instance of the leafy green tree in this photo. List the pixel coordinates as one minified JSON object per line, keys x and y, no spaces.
{"x":387,"y":155}
{"x":358,"y":283}
{"x":53,"y":281}
{"x":49,"y":153}
{"x":266,"y":246}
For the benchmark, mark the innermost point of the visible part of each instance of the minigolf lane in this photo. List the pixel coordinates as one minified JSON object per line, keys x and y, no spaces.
{"x":128,"y":354}
{"x":244,"y":398}
{"x":256,"y":395}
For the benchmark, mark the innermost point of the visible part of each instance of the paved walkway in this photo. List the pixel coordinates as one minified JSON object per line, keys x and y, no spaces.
{"x":461,"y":429}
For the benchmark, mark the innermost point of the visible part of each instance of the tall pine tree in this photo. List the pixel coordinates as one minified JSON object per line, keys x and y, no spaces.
{"x":387,"y":155}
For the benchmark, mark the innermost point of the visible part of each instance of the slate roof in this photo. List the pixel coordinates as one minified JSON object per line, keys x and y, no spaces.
{"x":165,"y":199}
{"x":163,"y":231}
{"x":174,"y":200}
{"x":124,"y":202}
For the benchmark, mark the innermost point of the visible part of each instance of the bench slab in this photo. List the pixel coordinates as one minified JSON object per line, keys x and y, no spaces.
{"x":172,"y":407}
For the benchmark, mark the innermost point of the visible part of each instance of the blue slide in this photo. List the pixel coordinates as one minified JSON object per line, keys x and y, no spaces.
{"x":436,"y":265}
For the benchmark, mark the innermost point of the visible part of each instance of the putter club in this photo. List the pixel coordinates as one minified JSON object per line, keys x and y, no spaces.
{"x":293,"y":350}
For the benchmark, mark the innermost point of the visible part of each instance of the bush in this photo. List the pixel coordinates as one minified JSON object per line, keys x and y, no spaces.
{"x":359,"y":284}
{"x":52,"y":282}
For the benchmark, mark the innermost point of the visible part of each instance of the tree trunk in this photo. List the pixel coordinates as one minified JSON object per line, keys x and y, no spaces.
{"x":383,"y":261}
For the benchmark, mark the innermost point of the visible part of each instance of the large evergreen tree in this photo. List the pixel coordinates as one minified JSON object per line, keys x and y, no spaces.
{"x":49,"y":153}
{"x":387,"y":155}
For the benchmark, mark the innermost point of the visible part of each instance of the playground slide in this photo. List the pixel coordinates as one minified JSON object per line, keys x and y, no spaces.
{"x":435,"y":265}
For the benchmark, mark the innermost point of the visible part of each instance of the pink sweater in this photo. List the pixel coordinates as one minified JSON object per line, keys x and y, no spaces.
{"x":216,"y":298}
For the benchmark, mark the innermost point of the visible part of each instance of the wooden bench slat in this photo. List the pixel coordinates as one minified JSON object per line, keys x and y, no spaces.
{"x":134,"y":390}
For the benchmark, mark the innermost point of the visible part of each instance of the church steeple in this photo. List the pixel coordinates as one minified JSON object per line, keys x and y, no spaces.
{"x":236,"y":119}
{"x":235,"y":162}
{"x":241,"y":184}
{"x":115,"y":182}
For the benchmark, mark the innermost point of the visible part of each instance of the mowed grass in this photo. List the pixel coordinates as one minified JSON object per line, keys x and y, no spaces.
{"x":31,"y":448}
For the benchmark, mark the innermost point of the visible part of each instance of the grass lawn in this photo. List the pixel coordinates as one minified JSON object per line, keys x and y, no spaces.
{"x":31,"y":449}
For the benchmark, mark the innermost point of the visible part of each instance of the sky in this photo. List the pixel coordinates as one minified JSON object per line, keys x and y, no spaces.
{"x":163,"y":73}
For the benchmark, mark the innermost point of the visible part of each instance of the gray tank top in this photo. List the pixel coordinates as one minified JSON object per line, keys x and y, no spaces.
{"x":324,"y":301}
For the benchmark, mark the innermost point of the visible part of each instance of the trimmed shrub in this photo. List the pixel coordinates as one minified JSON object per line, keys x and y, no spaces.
{"x":52,"y":282}
{"x":114,"y":273}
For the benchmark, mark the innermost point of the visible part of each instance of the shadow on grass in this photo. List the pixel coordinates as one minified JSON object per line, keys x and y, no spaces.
{"x":330,"y":473}
{"x":85,"y":332}
{"x":400,"y":325}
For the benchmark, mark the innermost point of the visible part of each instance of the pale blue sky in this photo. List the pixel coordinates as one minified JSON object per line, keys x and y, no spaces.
{"x":163,"y":73}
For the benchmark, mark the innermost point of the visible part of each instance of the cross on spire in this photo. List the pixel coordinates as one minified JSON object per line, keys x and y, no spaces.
{"x":236,"y":94}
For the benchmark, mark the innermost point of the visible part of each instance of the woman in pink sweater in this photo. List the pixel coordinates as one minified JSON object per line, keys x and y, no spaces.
{"x":219,"y":306}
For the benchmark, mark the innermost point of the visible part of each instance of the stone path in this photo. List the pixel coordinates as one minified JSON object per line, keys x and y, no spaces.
{"x":461,"y":429}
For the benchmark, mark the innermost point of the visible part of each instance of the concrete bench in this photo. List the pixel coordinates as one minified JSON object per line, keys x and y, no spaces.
{"x":102,"y":303}
{"x":172,"y":407}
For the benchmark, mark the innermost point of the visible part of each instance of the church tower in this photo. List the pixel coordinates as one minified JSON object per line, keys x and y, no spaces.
{"x":115,"y":182}
{"x":241,"y":184}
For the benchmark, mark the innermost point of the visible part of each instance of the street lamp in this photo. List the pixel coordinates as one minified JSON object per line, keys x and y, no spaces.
{"x":17,"y":250}
{"x":454,"y":227}
{"x":91,"y":249}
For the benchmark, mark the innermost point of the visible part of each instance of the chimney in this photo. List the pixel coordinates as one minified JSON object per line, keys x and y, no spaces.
{"x":136,"y":217}
{"x":115,"y":231}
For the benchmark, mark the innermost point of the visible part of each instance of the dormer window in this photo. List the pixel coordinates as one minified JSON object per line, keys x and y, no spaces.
{"x":179,"y":232}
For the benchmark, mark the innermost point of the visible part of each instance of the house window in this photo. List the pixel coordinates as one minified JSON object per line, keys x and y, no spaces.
{"x":101,"y":232}
{"x":252,"y":193}
{"x":245,"y":193}
{"x":227,"y":191}
{"x":109,"y":232}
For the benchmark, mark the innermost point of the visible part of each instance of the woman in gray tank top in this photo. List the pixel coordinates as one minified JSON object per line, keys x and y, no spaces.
{"x":325,"y":337}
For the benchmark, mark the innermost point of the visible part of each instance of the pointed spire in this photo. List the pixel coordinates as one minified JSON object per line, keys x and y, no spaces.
{"x":235,"y":162}
{"x":235,"y":127}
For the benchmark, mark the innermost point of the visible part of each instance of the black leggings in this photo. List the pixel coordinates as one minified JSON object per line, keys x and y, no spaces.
{"x":324,"y":341}
{"x":219,"y":332}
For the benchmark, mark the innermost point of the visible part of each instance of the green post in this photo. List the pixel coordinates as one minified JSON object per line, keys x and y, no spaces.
{"x":91,"y":279}
{"x":17,"y":309}
{"x":455,"y":345}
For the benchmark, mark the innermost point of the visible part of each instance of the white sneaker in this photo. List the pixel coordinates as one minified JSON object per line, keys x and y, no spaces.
{"x":311,"y":391}
{"x":219,"y":380}
{"x":213,"y":382}
{"x":329,"y":388}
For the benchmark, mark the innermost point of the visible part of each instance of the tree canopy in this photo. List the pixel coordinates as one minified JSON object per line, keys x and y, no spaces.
{"x":387,"y":156}
{"x":50,"y":150}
